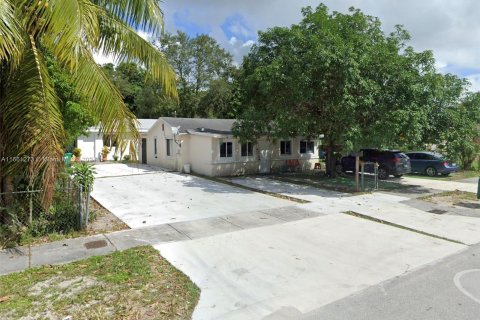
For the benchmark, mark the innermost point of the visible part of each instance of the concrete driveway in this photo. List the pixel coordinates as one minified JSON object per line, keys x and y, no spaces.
{"x":145,"y":197}
{"x":299,"y":258}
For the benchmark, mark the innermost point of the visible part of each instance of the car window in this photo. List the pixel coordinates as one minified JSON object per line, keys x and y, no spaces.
{"x":412,"y":155}
{"x":400,"y":155}
{"x":421,"y":156}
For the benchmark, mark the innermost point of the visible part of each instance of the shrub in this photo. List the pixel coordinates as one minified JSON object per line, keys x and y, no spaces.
{"x":126,"y":157}
{"x":77,"y":152}
{"x":115,"y":157}
{"x":83,"y":173}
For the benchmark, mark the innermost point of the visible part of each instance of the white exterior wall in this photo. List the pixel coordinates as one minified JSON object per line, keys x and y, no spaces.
{"x":198,"y":152}
{"x":172,"y":162}
{"x":90,"y":146}
{"x":202,"y":152}
{"x":307,"y":160}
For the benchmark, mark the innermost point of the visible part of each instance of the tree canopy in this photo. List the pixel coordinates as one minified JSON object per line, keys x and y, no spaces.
{"x":206,"y":75}
{"x":339,"y":75}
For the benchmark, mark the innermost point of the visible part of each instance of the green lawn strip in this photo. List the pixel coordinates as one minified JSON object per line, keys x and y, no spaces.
{"x":366,"y":217}
{"x":452,"y":177}
{"x":132,"y":284}
{"x":454,"y":196}
{"x":236,"y":185}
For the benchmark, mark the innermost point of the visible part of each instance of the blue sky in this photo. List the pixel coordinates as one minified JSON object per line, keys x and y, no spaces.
{"x":450,"y":28}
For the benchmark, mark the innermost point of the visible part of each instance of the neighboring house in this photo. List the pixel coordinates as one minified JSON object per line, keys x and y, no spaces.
{"x":92,"y":144}
{"x":207,"y":146}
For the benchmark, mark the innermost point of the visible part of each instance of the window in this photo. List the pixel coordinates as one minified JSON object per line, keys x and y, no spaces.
{"x":285,"y":147}
{"x":169,"y":147}
{"x":306,"y":146}
{"x":226,"y":149}
{"x":247,"y":149}
{"x":155,"y":146}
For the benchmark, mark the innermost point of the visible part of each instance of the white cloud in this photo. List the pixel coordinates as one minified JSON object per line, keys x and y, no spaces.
{"x":100,"y":58}
{"x":449,"y":28}
{"x":233,"y":41}
{"x":475,"y":81}
{"x":144,"y":35}
{"x":248,"y":44}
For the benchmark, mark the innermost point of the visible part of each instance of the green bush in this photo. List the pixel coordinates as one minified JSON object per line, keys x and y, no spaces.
{"x":83,"y":174}
{"x":126,"y":157}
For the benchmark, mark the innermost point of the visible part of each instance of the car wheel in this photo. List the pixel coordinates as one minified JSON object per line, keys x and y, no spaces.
{"x":398,"y":175}
{"x":382,"y":173}
{"x":431,"y":172}
{"x":339,"y":168}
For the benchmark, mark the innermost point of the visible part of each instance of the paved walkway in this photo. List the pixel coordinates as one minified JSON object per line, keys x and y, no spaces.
{"x":468,"y":185}
{"x":64,"y":251}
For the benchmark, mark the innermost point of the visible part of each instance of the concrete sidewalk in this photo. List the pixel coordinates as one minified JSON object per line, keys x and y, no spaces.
{"x":68,"y":250}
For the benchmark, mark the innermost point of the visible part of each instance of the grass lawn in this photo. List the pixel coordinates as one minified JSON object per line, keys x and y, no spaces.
{"x":343,"y":183}
{"x":452,"y":177}
{"x":133,"y":284}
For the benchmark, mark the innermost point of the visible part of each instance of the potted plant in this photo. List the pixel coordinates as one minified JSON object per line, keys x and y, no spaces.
{"x":105,"y":151}
{"x":77,"y":153}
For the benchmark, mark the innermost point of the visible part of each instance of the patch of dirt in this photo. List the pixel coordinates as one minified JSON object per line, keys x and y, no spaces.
{"x":103,"y":220}
{"x":454,"y":198}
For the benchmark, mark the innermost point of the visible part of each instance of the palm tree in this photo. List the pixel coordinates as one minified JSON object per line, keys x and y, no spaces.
{"x":72,"y":31}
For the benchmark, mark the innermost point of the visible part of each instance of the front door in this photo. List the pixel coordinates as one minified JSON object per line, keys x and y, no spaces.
{"x":144,"y":151}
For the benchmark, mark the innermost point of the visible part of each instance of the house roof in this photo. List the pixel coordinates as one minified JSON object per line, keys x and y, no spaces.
{"x":145,"y":124}
{"x":202,"y":125}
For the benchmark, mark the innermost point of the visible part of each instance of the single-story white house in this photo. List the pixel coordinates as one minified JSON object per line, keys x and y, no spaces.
{"x":207,"y":147}
{"x":92,"y":144}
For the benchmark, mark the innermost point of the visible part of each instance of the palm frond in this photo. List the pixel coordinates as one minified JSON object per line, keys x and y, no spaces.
{"x":31,"y":113}
{"x":72,"y":25}
{"x":105,"y":101}
{"x":124,"y":44}
{"x":11,"y":41}
{"x":145,"y":14}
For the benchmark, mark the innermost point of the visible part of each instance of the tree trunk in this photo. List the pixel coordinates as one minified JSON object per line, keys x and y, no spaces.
{"x":330,"y":161}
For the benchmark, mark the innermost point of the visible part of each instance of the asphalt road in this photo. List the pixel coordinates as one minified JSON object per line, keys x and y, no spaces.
{"x":446,"y":290}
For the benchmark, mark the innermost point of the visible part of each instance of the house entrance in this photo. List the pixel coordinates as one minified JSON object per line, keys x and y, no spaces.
{"x":144,"y":151}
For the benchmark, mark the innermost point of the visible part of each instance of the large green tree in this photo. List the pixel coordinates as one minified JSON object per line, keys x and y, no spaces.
{"x":461,"y":132}
{"x":71,"y":31}
{"x":337,"y":75}
{"x":205,"y":75}
{"x":144,"y":97}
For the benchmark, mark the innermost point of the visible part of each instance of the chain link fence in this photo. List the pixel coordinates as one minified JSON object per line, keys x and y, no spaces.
{"x":23,"y":211}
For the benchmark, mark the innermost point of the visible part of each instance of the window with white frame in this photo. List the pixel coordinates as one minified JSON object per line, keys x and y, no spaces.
{"x":285,"y":147}
{"x":307,"y":146}
{"x":169,"y":144}
{"x":246,"y":149}
{"x":226,"y":149}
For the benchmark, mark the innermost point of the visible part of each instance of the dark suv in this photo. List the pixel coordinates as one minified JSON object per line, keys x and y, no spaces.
{"x":391,"y":162}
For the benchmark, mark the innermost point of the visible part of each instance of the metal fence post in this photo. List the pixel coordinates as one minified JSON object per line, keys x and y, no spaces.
{"x":80,"y":205}
{"x":30,"y":205}
{"x":87,"y":200}
{"x":363,"y":175}
{"x":376,"y":175}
